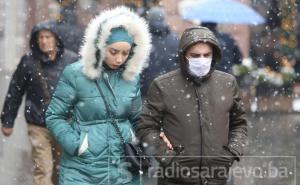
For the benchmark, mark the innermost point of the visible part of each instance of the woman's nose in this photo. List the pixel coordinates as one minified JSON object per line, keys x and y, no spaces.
{"x":119,"y":58}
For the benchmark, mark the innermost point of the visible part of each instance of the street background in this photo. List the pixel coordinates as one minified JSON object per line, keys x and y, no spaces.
{"x":272,"y":109}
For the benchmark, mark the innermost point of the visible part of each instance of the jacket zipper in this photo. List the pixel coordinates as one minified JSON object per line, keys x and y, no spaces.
{"x":201,"y":130}
{"x":106,"y":80}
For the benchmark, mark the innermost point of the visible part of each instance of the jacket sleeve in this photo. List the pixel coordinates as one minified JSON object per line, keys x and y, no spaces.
{"x":150,"y":125}
{"x":58,"y":112}
{"x":16,"y":90}
{"x":136,"y":107}
{"x":238,"y":124}
{"x":237,"y":56}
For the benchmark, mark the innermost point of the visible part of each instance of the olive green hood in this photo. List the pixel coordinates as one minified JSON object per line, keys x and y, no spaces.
{"x":192,"y":36}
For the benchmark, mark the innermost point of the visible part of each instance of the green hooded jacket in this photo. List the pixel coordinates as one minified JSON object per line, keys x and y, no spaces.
{"x":77,"y":116}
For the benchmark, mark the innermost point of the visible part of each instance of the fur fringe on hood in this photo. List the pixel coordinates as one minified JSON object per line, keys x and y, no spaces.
{"x":135,"y":25}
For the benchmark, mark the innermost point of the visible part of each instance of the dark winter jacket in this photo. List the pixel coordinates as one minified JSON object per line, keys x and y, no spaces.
{"x":204,"y":115}
{"x":69,"y":28}
{"x":163,"y":57}
{"x":71,"y":34}
{"x":36,"y":76}
{"x":231,"y":52}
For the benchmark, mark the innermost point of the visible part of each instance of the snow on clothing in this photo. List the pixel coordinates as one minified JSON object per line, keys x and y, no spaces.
{"x":205,"y":115}
{"x":77,"y":115}
{"x":27,"y":80}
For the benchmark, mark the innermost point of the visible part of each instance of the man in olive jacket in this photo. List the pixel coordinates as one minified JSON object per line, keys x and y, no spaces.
{"x":200,"y":112}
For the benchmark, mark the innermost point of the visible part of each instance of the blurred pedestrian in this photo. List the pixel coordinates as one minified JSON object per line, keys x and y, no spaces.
{"x":71,"y":34}
{"x":200,"y":112}
{"x":68,"y":26}
{"x":36,"y":76}
{"x":163,"y":57}
{"x":230,"y":50}
{"x":97,"y":102}
{"x":297,"y":50}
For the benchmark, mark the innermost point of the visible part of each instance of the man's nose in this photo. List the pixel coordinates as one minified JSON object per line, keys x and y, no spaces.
{"x":43,"y":41}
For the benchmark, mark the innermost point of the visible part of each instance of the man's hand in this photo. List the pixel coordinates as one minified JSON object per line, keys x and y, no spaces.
{"x":166,"y":140}
{"x":7,"y":131}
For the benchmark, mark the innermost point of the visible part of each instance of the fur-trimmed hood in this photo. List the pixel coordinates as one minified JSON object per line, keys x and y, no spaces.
{"x":100,"y":29}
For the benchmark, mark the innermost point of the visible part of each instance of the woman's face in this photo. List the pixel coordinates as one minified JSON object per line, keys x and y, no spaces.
{"x":116,"y":54}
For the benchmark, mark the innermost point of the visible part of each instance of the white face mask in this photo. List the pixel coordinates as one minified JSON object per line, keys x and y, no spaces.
{"x":199,"y":66}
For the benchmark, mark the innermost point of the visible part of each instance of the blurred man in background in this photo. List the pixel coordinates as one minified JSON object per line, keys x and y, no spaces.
{"x":36,"y":76}
{"x":163,"y":57}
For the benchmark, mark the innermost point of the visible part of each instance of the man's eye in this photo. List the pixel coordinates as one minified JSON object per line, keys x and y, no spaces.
{"x":195,"y":56}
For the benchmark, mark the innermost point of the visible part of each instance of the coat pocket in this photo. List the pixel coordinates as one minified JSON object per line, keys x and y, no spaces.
{"x":183,"y":170}
{"x":216,"y":168}
{"x":97,"y":140}
{"x":84,"y":144}
{"x":83,"y":149}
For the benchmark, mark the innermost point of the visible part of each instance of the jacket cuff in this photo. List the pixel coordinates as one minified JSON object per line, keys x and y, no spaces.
{"x":165,"y":156}
{"x":236,"y":149}
{"x":7,"y":125}
{"x":157,"y":148}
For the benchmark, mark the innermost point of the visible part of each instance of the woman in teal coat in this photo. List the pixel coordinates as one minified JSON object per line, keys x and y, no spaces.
{"x":116,"y":47}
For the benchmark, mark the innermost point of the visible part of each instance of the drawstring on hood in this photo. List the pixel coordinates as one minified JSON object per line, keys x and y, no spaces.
{"x":190,"y":37}
{"x":98,"y":33}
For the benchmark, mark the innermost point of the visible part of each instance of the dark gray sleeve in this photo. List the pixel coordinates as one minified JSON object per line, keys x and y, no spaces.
{"x":149,"y":128}
{"x":238,"y":124}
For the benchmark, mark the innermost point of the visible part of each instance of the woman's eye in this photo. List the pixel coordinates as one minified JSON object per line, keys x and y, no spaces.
{"x":113,"y":52}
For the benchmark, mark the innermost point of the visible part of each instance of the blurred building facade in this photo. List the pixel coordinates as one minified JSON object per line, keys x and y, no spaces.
{"x":278,"y":34}
{"x":18,"y":18}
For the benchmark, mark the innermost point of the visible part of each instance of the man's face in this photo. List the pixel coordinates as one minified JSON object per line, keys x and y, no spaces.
{"x":47,"y":41}
{"x":116,"y":54}
{"x":200,"y":50}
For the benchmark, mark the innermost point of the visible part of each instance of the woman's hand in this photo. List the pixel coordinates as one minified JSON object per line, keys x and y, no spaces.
{"x":166,"y":140}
